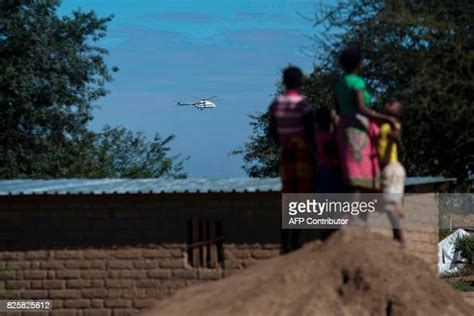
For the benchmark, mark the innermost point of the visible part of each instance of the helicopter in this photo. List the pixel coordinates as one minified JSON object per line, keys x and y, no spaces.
{"x":202,"y":104}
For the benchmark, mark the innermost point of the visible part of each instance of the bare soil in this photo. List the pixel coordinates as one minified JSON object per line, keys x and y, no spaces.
{"x":352,"y":273}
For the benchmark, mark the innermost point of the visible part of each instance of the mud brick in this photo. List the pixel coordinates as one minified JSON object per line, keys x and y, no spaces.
{"x":173,"y":284}
{"x":123,"y":312}
{"x":68,"y":274}
{"x":36,"y":274}
{"x":35,"y":265}
{"x":34,"y":294}
{"x":115,"y":293}
{"x":95,"y":254}
{"x":159,"y":274}
{"x":120,"y":264}
{"x":54,"y":264}
{"x":37,"y":254}
{"x":177,"y":253}
{"x":205,"y":274}
{"x":97,"y":283}
{"x":12,"y":294}
{"x":118,"y":303}
{"x":16,"y":265}
{"x":94,"y":293}
{"x":241,"y":253}
{"x":84,"y":264}
{"x":11,"y":256}
{"x":93,"y":274}
{"x":64,"y":312}
{"x":95,"y":303}
{"x":81,"y":303}
{"x":145,"y":264}
{"x":156,"y":253}
{"x":126,"y":254}
{"x":57,"y":304}
{"x":184,"y":274}
{"x":144,"y":303}
{"x":97,"y":312}
{"x":7,"y":275}
{"x":175,"y":263}
{"x":17,"y":285}
{"x":37,"y":313}
{"x":121,"y":284}
{"x":126,"y":274}
{"x":78,"y":284}
{"x":147,"y":283}
{"x":64,"y":294}
{"x":264,"y":254}
{"x":67,"y":254}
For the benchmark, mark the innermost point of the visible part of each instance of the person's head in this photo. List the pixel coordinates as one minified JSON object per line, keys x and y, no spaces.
{"x":351,"y":60}
{"x":392,"y":107}
{"x":292,"y":78}
{"x":323,"y":119}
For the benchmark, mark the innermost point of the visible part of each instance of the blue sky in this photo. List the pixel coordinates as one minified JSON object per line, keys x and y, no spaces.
{"x":168,"y":50}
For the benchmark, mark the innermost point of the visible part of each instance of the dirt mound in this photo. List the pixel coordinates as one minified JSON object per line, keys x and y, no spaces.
{"x":353,"y":273}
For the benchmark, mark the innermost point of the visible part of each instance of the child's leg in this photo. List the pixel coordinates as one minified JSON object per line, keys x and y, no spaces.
{"x":394,"y":219}
{"x":284,"y":241}
{"x":393,"y":179}
{"x":295,"y":242}
{"x":399,"y":210}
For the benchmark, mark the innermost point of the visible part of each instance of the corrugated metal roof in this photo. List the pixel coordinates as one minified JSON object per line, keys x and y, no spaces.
{"x":162,"y":185}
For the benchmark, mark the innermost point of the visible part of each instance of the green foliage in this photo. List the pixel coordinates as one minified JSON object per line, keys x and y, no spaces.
{"x":443,"y":233}
{"x":119,"y":153}
{"x":419,"y":52}
{"x":467,"y":270}
{"x":260,"y":153}
{"x":462,"y":286}
{"x":465,"y":246}
{"x":51,"y":73}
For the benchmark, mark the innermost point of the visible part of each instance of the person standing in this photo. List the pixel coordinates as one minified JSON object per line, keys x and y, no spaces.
{"x":327,"y":174}
{"x":356,"y":130}
{"x":291,"y":128}
{"x":393,"y":172}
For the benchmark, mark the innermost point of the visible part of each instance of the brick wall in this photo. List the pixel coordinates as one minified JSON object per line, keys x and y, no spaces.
{"x":106,"y":281}
{"x":420,"y":222}
{"x":118,"y":254}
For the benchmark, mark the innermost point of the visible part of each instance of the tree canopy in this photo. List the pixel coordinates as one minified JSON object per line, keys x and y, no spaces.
{"x":418,"y":52}
{"x":52,"y":70}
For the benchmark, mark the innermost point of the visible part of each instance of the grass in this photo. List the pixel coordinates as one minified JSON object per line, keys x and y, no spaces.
{"x":462,"y":285}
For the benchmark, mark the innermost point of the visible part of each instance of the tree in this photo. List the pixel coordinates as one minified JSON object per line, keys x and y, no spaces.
{"x":51,"y":73}
{"x":419,"y":52}
{"x":260,"y":153}
{"x":120,"y":153}
{"x":465,"y":246}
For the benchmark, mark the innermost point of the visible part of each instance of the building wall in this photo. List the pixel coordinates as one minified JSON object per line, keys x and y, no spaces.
{"x":420,"y":227}
{"x":118,"y":254}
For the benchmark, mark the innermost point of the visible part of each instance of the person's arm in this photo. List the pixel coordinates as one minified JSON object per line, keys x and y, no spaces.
{"x":395,"y":136}
{"x":374,"y":115}
{"x":335,"y":118}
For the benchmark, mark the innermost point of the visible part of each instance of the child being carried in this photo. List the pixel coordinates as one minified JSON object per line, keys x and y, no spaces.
{"x":393,"y":172}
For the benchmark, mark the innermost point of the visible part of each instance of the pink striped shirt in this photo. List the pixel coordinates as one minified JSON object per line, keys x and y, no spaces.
{"x":288,"y":110}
